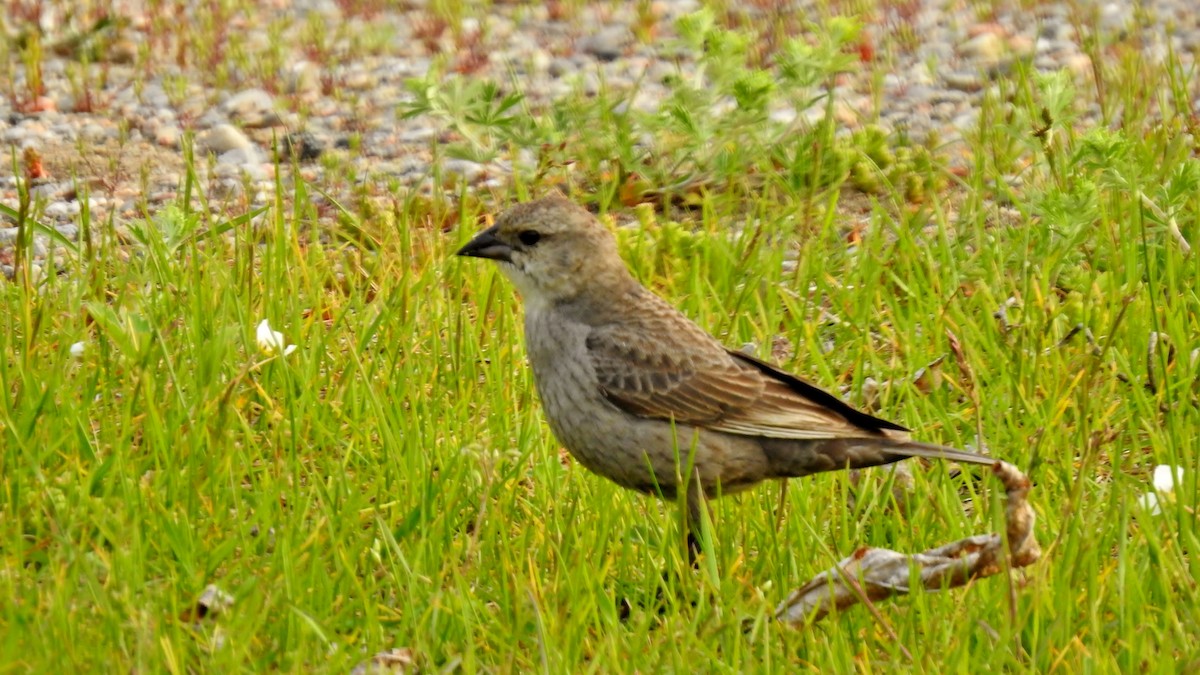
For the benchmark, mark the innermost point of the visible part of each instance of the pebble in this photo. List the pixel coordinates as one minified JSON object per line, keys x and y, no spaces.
{"x":252,"y":109}
{"x":167,"y":135}
{"x":606,"y":44}
{"x":248,"y":156}
{"x":304,"y":77}
{"x":987,"y":50}
{"x":94,"y":133}
{"x":470,"y":171}
{"x":222,"y":139}
{"x":304,"y":146}
{"x":62,"y":210}
{"x":1115,"y":17}
{"x":963,"y":81}
{"x":69,"y":230}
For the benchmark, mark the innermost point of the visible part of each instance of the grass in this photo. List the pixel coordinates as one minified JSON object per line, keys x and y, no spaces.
{"x":392,"y":483}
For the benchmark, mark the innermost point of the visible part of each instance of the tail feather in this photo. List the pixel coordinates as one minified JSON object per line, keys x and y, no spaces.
{"x":792,"y":459}
{"x":931,"y":451}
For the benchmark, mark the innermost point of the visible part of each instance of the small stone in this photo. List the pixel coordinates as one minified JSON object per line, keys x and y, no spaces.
{"x":669,"y":11}
{"x":606,"y":44}
{"x":987,"y":49}
{"x":226,"y":188}
{"x":252,"y":109}
{"x":52,"y":190}
{"x":360,"y":80}
{"x":239,"y":156}
{"x":223,"y":138}
{"x":846,"y":115}
{"x":304,"y":77}
{"x":68,"y":230}
{"x":560,"y":67}
{"x":966,"y":121}
{"x":948,"y":96}
{"x":417,"y":134}
{"x":470,"y":171}
{"x":1079,"y":64}
{"x":93,"y":133}
{"x":303,"y":146}
{"x":540,"y":60}
{"x":963,"y":81}
{"x":123,"y":50}
{"x":1020,"y":46}
{"x":1058,"y":32}
{"x":62,"y":210}
{"x":1116,"y":17}
{"x":43,"y":104}
{"x":168,"y":135}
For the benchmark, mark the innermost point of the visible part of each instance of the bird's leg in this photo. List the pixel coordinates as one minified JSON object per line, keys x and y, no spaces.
{"x":693,"y":528}
{"x":782,"y":508}
{"x":694,"y":519}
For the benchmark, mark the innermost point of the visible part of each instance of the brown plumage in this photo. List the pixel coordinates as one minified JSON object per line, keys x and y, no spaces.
{"x":633,"y":388}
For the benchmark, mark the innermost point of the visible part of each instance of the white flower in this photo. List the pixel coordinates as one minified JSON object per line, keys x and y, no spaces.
{"x":1149,"y":501}
{"x":1166,"y":477}
{"x":271,"y":342}
{"x":77,"y":349}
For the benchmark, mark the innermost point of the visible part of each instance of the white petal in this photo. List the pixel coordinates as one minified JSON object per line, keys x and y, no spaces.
{"x":263,"y":333}
{"x":1166,"y":477}
{"x":77,"y":349}
{"x":269,"y":341}
{"x":289,"y":349}
{"x":1149,"y":501}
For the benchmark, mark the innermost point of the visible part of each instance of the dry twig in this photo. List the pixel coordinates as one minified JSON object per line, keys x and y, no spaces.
{"x":874,"y":573}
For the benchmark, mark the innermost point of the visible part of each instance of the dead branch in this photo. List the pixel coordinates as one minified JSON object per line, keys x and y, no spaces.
{"x":872,"y":574}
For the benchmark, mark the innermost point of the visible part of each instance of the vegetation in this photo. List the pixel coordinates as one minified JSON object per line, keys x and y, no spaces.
{"x":391,"y":482}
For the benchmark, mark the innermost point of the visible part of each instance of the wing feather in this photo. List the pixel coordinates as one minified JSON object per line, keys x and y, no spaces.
{"x":663,"y":366}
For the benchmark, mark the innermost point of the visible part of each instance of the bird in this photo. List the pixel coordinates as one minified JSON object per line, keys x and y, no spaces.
{"x":640,"y":394}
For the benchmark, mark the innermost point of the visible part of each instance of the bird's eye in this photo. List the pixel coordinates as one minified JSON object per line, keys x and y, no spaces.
{"x":529,"y":237}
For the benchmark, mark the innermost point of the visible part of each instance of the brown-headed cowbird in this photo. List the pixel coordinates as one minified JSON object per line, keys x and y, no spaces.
{"x":641,"y":395}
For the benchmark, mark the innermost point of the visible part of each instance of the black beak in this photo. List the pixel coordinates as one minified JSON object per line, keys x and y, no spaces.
{"x":487,"y":245}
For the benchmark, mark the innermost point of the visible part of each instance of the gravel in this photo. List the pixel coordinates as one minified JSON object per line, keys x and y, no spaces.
{"x":126,"y":141}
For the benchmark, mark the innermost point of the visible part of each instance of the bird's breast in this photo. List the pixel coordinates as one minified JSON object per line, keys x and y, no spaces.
{"x":603,"y":439}
{"x":562,"y":370}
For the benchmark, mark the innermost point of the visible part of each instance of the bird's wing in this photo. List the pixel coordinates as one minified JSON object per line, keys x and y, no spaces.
{"x":666,"y":367}
{"x":792,"y":408}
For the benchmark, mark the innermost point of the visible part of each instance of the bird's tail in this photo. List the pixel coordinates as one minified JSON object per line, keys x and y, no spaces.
{"x":792,"y":458}
{"x":906,"y":448}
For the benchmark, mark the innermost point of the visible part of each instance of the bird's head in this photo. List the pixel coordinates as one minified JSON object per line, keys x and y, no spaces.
{"x":552,"y":250}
